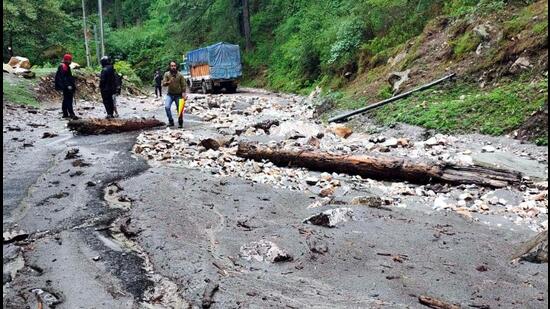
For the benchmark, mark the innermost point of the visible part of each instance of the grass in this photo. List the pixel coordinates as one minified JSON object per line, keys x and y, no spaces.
{"x":465,"y":108}
{"x":526,"y":17}
{"x":542,"y":141}
{"x":466,"y":43}
{"x":40,"y":72}
{"x":19,"y":92}
{"x":541,"y":27}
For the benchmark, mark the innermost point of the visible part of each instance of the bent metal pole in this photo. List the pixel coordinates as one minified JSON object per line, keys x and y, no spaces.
{"x":392,"y":99}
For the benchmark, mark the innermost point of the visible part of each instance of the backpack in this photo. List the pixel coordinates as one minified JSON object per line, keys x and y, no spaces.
{"x":118,"y":83}
{"x":58,"y":81}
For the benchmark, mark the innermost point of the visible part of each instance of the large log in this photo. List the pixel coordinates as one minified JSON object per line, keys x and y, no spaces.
{"x":107,"y":126}
{"x":383,"y":168}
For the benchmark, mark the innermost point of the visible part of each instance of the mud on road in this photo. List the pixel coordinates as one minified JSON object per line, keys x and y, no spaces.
{"x":174,"y":225}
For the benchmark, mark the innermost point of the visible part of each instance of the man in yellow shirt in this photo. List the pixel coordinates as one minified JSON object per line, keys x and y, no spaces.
{"x":176,"y":86}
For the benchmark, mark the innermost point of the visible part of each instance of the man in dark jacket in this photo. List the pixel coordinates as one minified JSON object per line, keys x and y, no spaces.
{"x":64,"y":81}
{"x":107,"y":85}
{"x":158,"y":83}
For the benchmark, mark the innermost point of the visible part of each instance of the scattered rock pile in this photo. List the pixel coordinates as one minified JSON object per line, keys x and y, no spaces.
{"x":286,"y":122}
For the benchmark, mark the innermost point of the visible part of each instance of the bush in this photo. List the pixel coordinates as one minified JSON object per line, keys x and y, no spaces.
{"x":125,"y":69}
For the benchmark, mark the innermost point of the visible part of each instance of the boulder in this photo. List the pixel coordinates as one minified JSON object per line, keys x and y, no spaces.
{"x":20,"y":62}
{"x":393,"y":61}
{"x":330,"y":218}
{"x":522,"y":63}
{"x":327,"y":191}
{"x":8,"y":69}
{"x":264,"y":251}
{"x":396,"y":79}
{"x":488,"y":148}
{"x":391,"y":143}
{"x":369,"y":201}
{"x":341,"y":130}
{"x":403,"y":142}
{"x":482,"y":31}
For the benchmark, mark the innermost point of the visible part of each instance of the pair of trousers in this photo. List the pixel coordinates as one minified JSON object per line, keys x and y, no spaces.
{"x":168,"y":100}
{"x":158,"y":91}
{"x":67,"y":104}
{"x":108,"y":102}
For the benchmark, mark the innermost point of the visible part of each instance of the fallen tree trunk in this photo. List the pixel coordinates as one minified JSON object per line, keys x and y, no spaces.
{"x":107,"y":126}
{"x":383,"y":168}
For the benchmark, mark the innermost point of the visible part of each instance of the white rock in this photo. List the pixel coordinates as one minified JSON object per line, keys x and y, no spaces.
{"x":465,"y":197}
{"x":326,"y":176}
{"x":441,"y":203}
{"x":264,"y":250}
{"x":391,"y":142}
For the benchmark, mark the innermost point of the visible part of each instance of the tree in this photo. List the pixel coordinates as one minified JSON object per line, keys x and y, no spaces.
{"x":246,"y":25}
{"x":29,"y":26}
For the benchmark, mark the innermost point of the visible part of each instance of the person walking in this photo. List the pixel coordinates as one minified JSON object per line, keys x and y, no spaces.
{"x":65,"y":82}
{"x":158,"y":83}
{"x":176,"y":90}
{"x":107,"y":85}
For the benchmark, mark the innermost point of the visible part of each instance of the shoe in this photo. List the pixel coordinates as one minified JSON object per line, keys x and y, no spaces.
{"x":65,"y":117}
{"x":116,"y":115}
{"x":180,"y":126}
{"x":171,"y":124}
{"x":109,"y":117}
{"x":74,"y":117}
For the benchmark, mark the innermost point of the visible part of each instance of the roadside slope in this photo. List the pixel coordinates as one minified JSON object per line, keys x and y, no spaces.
{"x":501,"y":62}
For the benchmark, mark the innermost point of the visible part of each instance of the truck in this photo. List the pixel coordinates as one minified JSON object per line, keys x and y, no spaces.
{"x":213,"y":68}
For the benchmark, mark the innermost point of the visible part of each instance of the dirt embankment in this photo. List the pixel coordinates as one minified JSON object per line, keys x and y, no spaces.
{"x":485,"y":51}
{"x":481,"y":49}
{"x":87,"y":85}
{"x":535,"y":126}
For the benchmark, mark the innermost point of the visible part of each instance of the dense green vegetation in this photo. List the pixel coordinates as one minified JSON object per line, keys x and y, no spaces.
{"x":294,"y":43}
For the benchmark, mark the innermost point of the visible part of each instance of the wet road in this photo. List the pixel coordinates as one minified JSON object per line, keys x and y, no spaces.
{"x":121,"y":233}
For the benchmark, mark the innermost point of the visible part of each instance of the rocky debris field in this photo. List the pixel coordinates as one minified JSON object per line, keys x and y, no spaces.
{"x":287,"y":122}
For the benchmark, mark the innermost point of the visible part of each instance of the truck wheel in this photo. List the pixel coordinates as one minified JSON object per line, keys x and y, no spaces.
{"x":231,"y":89}
{"x":204,"y":87}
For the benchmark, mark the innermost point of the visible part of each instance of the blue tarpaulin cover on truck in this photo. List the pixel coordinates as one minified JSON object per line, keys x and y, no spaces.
{"x":224,"y":60}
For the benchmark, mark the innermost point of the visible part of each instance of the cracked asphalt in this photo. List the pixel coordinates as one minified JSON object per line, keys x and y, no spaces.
{"x":178,"y":244}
